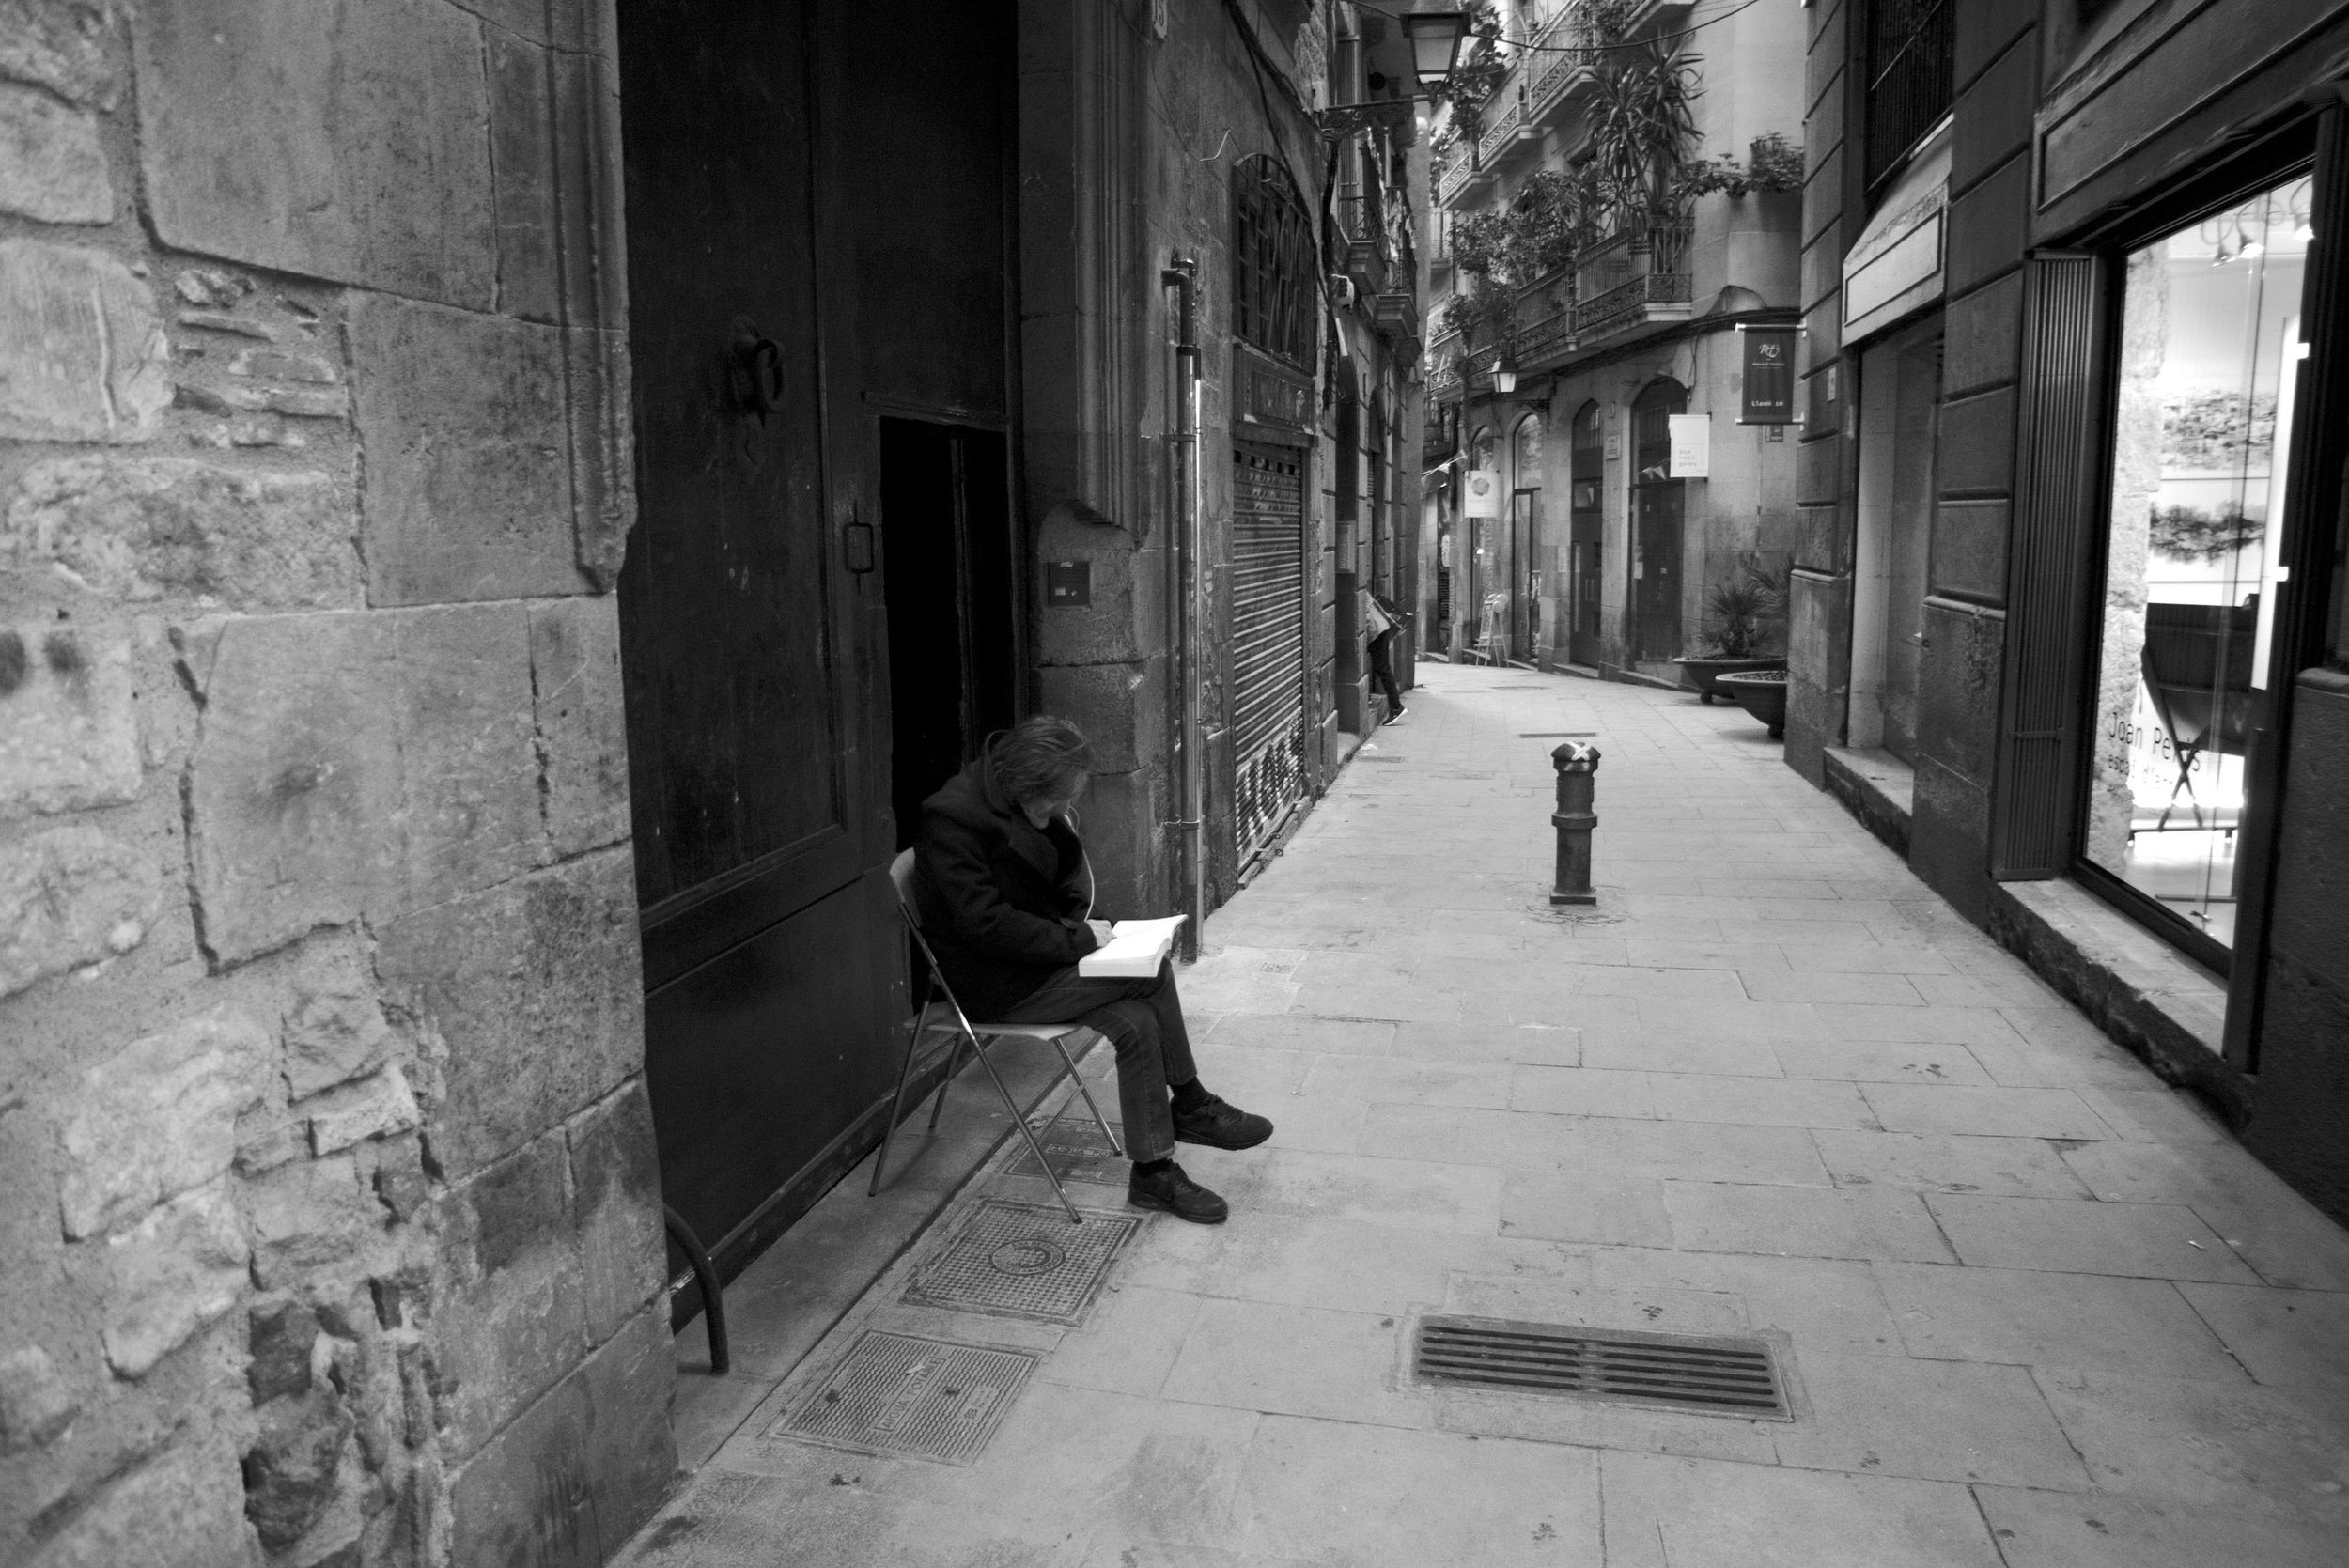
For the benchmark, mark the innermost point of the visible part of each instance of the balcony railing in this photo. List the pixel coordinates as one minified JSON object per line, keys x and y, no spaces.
{"x":1501,"y":124}
{"x":1626,"y":305}
{"x":1456,"y":174}
{"x":1910,"y":81}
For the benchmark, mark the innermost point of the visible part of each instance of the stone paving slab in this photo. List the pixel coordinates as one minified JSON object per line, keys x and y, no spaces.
{"x":2039,"y":1311}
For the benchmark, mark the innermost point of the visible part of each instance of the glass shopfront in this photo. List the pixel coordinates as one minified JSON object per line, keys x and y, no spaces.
{"x":2209,"y":341}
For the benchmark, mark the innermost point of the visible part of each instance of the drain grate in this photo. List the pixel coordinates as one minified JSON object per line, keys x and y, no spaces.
{"x":902,"y":1393}
{"x":1557,"y":735}
{"x":1359,"y":757}
{"x":1077,"y":1151}
{"x":1682,"y":1372}
{"x":1022,"y":1259}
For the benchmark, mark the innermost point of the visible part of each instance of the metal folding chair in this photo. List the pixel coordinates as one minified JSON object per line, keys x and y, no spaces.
{"x":976,"y":1035}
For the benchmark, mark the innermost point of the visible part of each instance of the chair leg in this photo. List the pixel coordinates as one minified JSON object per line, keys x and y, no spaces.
{"x":1060,"y":1042}
{"x":1026,"y":1131}
{"x":905,"y":1070}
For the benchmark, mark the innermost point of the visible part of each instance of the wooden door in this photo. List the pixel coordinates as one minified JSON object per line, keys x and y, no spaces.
{"x":747,"y":630}
{"x":1586,"y":530}
{"x":1659,"y":515}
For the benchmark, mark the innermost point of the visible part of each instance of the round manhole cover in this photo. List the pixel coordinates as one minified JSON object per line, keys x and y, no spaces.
{"x":1028,"y":1255}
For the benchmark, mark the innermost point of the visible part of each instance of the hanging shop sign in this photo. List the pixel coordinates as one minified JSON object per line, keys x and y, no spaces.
{"x":1693,"y":446}
{"x":1481,"y":497}
{"x":1768,"y":357}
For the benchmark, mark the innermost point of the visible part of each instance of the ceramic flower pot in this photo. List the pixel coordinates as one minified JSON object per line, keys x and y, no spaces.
{"x":1762,"y":694}
{"x":1703,"y":674}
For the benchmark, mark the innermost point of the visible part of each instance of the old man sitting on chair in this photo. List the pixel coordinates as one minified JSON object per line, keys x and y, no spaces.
{"x":1005,"y":896}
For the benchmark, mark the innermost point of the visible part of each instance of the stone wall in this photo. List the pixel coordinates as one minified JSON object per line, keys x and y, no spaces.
{"x":328,"y":1203}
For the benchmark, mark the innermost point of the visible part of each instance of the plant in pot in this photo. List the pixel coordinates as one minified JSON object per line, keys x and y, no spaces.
{"x":1744,"y":616}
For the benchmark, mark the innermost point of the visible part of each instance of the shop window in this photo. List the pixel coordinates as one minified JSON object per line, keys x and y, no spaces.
{"x":1525,"y":537}
{"x":2210,"y":340}
{"x":1272,"y":263}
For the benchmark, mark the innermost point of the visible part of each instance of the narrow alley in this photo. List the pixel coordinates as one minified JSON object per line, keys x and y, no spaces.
{"x":2030,"y":1307}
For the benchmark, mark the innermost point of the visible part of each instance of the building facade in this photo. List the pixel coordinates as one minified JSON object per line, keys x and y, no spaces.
{"x":504,"y":511}
{"x":1592,"y":262}
{"x":2066,"y":611}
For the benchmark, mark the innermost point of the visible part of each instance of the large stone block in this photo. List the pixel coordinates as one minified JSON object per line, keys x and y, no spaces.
{"x":68,"y":897}
{"x":291,"y":1472}
{"x":509,"y":1317}
{"x":151,"y":528}
{"x":52,"y":167}
{"x":1121,"y":709}
{"x":64,"y":45}
{"x":336,"y":141}
{"x":69,"y":734}
{"x":379,"y":1106}
{"x":86,"y":358}
{"x":616,"y":1187}
{"x":529,"y":1000}
{"x":335,"y":1031}
{"x":312,"y":1218}
{"x":469,"y":492}
{"x":360,"y":764}
{"x":182,"y":1509}
{"x":575,"y":1477}
{"x":37,"y":1406}
{"x":158,"y":1118}
{"x":583,"y":723}
{"x":175,"y":1271}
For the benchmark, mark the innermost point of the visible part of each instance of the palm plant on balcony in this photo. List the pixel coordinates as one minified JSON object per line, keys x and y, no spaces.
{"x":1642,"y":133}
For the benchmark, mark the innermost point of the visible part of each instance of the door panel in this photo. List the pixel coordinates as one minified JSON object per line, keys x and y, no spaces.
{"x":770,"y":959}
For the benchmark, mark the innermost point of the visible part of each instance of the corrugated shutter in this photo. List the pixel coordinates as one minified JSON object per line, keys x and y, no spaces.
{"x":1268,"y":652}
{"x":2058,"y":451}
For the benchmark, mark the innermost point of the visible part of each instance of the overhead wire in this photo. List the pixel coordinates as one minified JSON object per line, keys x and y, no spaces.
{"x":1583,"y":48}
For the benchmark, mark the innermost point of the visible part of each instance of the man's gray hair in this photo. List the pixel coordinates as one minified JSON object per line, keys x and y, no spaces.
{"x":1042,"y":758}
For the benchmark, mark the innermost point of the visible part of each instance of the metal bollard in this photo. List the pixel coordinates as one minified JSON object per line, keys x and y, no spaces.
{"x":1576,"y":763}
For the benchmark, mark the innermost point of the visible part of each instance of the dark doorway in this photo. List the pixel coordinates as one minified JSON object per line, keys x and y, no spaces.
{"x":1659,"y":507}
{"x":948,"y":560}
{"x":1586,"y":525}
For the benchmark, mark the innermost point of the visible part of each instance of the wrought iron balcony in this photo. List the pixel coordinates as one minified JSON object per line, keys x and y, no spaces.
{"x":1638,"y":277}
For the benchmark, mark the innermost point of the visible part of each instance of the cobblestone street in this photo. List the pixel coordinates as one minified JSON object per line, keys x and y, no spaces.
{"x":2033,"y":1308}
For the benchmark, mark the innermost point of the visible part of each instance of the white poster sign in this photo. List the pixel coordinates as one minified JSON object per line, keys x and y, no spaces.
{"x":1693,"y":446}
{"x":1480,"y":496}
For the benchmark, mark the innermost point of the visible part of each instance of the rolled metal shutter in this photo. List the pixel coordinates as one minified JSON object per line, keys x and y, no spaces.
{"x":1267,"y":653}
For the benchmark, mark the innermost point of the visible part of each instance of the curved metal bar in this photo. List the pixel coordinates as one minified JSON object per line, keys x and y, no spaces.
{"x":705,"y":1276}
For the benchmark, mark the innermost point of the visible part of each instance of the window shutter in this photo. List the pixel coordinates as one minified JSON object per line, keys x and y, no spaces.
{"x":2052,"y":553}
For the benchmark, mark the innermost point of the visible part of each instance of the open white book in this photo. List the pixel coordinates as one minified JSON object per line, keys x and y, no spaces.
{"x":1137,"y":948}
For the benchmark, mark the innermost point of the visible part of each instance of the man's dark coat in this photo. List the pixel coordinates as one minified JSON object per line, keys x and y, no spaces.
{"x":1002,"y":901}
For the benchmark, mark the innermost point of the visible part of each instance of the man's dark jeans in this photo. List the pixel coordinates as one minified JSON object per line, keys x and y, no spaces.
{"x":1143,"y":1019}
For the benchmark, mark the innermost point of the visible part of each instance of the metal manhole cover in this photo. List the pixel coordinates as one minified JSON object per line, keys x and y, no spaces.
{"x":1682,"y":1372}
{"x":902,"y":1393}
{"x":1077,"y":1151}
{"x":1557,"y":735}
{"x":1022,"y":1259}
{"x":1361,"y":758}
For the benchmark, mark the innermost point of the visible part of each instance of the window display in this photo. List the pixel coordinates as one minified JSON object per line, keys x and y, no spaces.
{"x":2210,"y":342}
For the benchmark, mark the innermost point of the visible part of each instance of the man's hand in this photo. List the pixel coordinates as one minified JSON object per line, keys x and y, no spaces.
{"x":1102,"y":932}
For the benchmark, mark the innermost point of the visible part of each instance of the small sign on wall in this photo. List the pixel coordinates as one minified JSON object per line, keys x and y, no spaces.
{"x":1480,"y":497}
{"x":1068,"y":585}
{"x":1693,"y":446}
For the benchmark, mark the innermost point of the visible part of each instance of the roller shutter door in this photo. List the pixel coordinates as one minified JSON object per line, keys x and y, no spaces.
{"x":1267,"y":651}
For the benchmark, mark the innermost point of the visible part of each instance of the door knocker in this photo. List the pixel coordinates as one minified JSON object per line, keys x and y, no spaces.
{"x":755,"y":370}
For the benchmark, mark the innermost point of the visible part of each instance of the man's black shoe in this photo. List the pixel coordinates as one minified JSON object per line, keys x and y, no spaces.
{"x":1171,"y":1192}
{"x":1220,"y":1125}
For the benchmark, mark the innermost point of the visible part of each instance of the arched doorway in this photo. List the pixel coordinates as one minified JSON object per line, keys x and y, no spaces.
{"x":1478,"y":624}
{"x":1525,"y":538}
{"x":1586,"y":525}
{"x":1660,"y":510}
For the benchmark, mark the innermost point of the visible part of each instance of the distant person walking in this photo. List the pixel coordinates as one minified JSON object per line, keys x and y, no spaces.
{"x":1386,"y":622}
{"x":1006,"y":895}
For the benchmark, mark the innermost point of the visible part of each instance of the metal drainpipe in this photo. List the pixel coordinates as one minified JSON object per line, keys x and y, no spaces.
{"x":1182,"y":275}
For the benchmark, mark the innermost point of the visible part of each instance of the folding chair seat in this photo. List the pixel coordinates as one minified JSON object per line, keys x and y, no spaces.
{"x":977,"y":1035}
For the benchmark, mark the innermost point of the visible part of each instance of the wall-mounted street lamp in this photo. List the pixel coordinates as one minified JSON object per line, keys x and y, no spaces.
{"x":1504,"y":374}
{"x":1436,"y":37}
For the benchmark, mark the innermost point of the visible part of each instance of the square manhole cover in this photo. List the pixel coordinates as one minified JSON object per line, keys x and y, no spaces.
{"x":903,"y":1393}
{"x":1022,"y":1259}
{"x":1077,"y":1150}
{"x":1703,"y":1374}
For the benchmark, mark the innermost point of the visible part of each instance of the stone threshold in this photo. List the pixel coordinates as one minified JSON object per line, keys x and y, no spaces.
{"x":1876,"y":787}
{"x":2162,"y":1007}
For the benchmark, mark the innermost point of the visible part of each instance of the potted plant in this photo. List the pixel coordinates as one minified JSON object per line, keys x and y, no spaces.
{"x":1743,"y":617}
